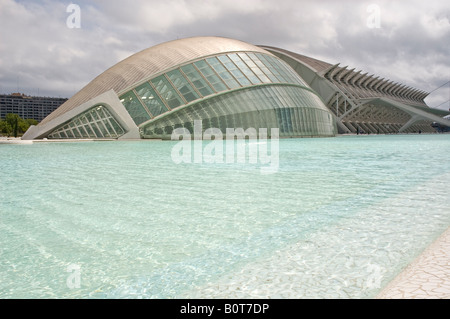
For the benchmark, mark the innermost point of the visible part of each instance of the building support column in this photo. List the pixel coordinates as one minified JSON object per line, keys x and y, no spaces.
{"x":411,"y":121}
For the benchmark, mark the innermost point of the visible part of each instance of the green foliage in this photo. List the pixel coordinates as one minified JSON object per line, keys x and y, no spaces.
{"x":14,"y":125}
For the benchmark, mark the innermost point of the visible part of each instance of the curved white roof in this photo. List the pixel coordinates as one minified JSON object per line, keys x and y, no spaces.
{"x":149,"y":62}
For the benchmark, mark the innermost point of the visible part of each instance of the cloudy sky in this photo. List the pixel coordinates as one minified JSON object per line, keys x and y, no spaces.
{"x":43,"y":52}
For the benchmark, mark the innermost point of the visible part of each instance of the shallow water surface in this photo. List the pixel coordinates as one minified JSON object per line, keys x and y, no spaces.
{"x":339,"y":218}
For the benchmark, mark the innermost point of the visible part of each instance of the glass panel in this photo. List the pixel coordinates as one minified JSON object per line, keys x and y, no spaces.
{"x":103,"y":129}
{"x":287,"y":71}
{"x":209,"y":74}
{"x":69,"y":134}
{"x":226,"y":62}
{"x":260,"y":74}
{"x":284,"y":71}
{"x":79,"y":127}
{"x":76,"y":121}
{"x":94,"y":115}
{"x":97,"y":132}
{"x":263,"y":68}
{"x":83,"y":119}
{"x":119,"y":130}
{"x":167,"y":92}
{"x":109,"y":128}
{"x":88,"y":117}
{"x":89,"y":131}
{"x":223,"y":73}
{"x":83,"y":132}
{"x":258,"y":107}
{"x":183,"y":85}
{"x":271,"y":67}
{"x":151,"y":99}
{"x":76,"y":133}
{"x":134,"y":108}
{"x":247,"y":60}
{"x":240,"y":77}
{"x":197,"y":80}
{"x":244,"y":68}
{"x":102,"y":112}
{"x":204,"y":67}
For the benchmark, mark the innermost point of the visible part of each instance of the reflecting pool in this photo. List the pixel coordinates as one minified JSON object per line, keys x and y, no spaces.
{"x":339,"y":218}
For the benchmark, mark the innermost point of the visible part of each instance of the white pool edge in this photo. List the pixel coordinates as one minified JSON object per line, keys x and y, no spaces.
{"x":427,"y":277}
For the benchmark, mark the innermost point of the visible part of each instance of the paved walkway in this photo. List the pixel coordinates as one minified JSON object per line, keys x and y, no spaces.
{"x":428,"y":277}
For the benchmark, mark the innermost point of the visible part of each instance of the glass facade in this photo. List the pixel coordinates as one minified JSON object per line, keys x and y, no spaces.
{"x":203,"y":78}
{"x":151,"y":100}
{"x":136,"y":109}
{"x":97,"y":122}
{"x":233,"y":90}
{"x":295,"y":111}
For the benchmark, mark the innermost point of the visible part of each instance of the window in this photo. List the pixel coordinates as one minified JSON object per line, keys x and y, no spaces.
{"x":151,"y":99}
{"x":197,"y":80}
{"x":223,"y":73}
{"x":182,"y":85}
{"x":134,"y":108}
{"x":96,"y":122}
{"x":210,"y":76}
{"x":263,"y":68}
{"x":264,"y":59}
{"x":203,"y":78}
{"x":246,"y":70}
{"x":167,"y":92}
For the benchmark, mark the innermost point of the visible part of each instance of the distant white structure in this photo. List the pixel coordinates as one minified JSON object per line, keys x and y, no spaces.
{"x":364,"y":102}
{"x":227,"y":83}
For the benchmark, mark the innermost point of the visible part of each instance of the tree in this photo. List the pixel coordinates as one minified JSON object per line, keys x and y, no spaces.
{"x":4,"y":127}
{"x":14,"y":125}
{"x":31,"y":122}
{"x":24,"y":124}
{"x":13,"y":121}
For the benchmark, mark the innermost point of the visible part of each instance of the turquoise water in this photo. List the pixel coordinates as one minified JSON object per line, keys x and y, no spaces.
{"x":339,"y":218}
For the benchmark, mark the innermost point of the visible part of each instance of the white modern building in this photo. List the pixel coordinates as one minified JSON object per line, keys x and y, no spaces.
{"x":227,"y":83}
{"x":365,"y":103}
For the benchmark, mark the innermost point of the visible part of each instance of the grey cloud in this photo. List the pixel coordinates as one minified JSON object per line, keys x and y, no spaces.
{"x":412,"y":45}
